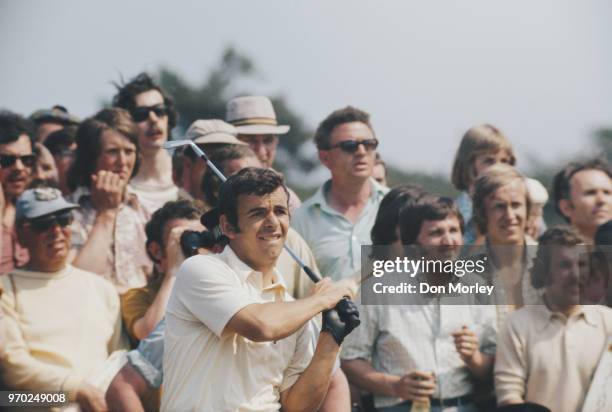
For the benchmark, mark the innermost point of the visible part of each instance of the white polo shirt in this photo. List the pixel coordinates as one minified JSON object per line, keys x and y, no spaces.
{"x":206,"y":369}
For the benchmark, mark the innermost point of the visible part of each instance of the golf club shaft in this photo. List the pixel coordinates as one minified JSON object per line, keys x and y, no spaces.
{"x":352,"y":319}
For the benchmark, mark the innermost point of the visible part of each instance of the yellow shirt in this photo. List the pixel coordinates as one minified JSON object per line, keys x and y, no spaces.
{"x":59,"y":326}
{"x":136,"y":302}
{"x":547,"y":358}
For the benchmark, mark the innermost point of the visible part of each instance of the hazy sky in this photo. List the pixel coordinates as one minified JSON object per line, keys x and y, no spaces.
{"x":425,"y":70}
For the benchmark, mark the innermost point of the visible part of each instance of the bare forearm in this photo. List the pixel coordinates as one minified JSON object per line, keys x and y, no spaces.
{"x":263,"y":322}
{"x":155,"y":312}
{"x":361,"y":374}
{"x":481,"y":366}
{"x":308,"y":392}
{"x":338,"y":397}
{"x":93,"y":254}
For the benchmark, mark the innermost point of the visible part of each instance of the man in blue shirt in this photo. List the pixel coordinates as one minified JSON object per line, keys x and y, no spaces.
{"x":337,"y":219}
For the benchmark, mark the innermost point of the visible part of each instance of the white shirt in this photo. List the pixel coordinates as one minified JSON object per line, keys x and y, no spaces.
{"x":209,"y":369}
{"x":398,"y":338}
{"x":548,"y":358}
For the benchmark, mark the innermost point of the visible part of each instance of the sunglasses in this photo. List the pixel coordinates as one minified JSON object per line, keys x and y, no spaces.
{"x":42,"y":224}
{"x":351,"y":146}
{"x":140,"y":114}
{"x":9,"y":160}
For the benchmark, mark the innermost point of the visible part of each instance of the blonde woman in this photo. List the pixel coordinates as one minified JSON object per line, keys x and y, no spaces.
{"x":481,"y":147}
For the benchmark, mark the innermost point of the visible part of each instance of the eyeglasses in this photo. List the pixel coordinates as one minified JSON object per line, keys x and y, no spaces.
{"x":7,"y":160}
{"x":140,"y":114}
{"x":42,"y":224}
{"x":351,"y":146}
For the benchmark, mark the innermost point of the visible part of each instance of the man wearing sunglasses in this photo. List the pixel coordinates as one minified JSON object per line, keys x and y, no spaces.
{"x":61,"y":323}
{"x":153,"y":112}
{"x":16,"y":162}
{"x":337,"y":220}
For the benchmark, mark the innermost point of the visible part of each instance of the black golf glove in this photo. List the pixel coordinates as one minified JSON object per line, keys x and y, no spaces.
{"x":341,"y":320}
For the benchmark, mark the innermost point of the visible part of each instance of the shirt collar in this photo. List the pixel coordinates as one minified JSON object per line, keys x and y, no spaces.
{"x":545,"y":316}
{"x":244,"y":271}
{"x":319,"y":198}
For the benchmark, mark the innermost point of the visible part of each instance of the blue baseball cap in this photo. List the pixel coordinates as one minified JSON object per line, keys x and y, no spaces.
{"x":39,"y":202}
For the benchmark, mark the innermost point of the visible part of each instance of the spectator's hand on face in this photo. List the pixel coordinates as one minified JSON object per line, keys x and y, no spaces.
{"x":90,"y":398}
{"x":174,"y":252}
{"x":416,"y":386}
{"x":466,"y":344}
{"x":107,"y":190}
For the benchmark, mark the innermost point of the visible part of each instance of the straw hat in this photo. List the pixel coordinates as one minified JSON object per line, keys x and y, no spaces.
{"x":253,"y":115}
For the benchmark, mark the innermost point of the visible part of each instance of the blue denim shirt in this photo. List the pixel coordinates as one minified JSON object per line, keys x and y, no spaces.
{"x":148,"y":357}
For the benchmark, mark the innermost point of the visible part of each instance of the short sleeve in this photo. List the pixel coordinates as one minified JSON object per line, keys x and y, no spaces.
{"x":210,"y":291}
{"x":304,"y":351}
{"x":147,"y":359}
{"x":134,"y":305}
{"x":487,"y":319}
{"x":359,"y":344}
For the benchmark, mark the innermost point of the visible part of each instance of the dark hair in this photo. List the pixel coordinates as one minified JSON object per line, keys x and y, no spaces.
{"x":12,"y":126}
{"x":248,"y":181}
{"x":89,"y":145}
{"x":561,"y":182}
{"x":180,"y":209}
{"x":60,"y":140}
{"x":427,"y":207}
{"x":553,"y":237}
{"x":348,"y":114}
{"x":385,"y":230}
{"x":220,"y":158}
{"x":127,"y":92}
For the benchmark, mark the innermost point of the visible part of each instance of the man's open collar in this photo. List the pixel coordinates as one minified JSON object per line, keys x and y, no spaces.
{"x":244,"y":271}
{"x":320,"y":199}
{"x":544,"y":316}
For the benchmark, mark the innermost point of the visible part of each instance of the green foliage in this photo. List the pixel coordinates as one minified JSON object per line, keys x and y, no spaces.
{"x":434,"y":183}
{"x":207,"y":101}
{"x":603,"y":139}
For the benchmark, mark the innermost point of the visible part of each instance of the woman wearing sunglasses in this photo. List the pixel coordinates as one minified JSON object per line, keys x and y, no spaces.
{"x":108,"y":232}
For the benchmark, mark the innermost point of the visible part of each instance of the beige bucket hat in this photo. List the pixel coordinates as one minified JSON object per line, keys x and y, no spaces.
{"x":212,"y":131}
{"x":253,"y":115}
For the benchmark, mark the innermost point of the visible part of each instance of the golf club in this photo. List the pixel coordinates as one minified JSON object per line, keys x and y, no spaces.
{"x":172,"y":144}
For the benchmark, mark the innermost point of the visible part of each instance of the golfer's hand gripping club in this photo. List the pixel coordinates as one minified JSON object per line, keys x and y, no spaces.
{"x":346,"y":310}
